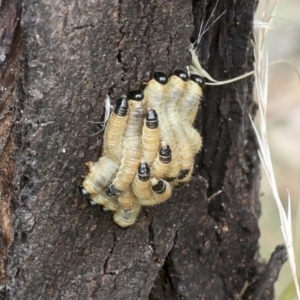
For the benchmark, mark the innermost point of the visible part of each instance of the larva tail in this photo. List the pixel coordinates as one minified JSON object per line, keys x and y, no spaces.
{"x":129,"y":208}
{"x":101,"y":173}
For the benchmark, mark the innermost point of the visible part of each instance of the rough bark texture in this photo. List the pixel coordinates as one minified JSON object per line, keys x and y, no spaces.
{"x":54,"y":245}
{"x":10,"y":51}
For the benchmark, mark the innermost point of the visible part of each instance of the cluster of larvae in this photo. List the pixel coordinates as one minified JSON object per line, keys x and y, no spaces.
{"x":149,"y":146}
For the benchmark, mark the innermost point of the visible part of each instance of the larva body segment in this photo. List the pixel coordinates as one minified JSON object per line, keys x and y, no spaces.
{"x":194,"y":139}
{"x":141,"y":184}
{"x":191,"y":99}
{"x":110,"y":203}
{"x":113,"y":136}
{"x":129,"y":208}
{"x":183,"y":177}
{"x":100,"y":174}
{"x":132,"y":145}
{"x":188,"y":108}
{"x":161,"y":192}
{"x":155,"y":99}
{"x":150,"y":137}
{"x":174,"y":95}
{"x":162,"y":162}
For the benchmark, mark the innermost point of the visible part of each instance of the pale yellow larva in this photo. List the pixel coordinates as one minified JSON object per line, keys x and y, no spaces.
{"x":114,"y":131}
{"x":194,"y":138}
{"x":129,"y":208}
{"x":141,"y":184}
{"x":100,"y":174}
{"x":188,"y":108}
{"x":161,"y":191}
{"x":173,"y":94}
{"x":162,"y":162}
{"x":150,"y":137}
{"x":132,"y":145}
{"x":155,"y":98}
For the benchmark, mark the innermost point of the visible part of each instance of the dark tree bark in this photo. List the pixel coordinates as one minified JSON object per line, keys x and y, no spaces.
{"x":59,"y":60}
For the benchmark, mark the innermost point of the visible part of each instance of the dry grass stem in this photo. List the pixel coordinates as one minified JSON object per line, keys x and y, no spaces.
{"x":261,"y":27}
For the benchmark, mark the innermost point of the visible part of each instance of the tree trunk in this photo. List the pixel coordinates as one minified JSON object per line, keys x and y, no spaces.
{"x":58,"y":60}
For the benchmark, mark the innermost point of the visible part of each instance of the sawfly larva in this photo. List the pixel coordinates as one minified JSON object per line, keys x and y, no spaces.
{"x":162,"y":162}
{"x":188,"y":108}
{"x":161,"y":192}
{"x":113,"y":136}
{"x":129,"y":208}
{"x":132,"y":146}
{"x":141,"y":184}
{"x":155,"y":98}
{"x":100,"y":174}
{"x":191,"y":98}
{"x":150,"y":137}
{"x":174,"y":95}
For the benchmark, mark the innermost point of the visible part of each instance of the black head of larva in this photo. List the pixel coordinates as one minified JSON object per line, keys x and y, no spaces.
{"x":112,"y":191}
{"x":151,"y":119}
{"x":136,"y":95}
{"x":161,"y":77}
{"x":165,"y":154}
{"x":198,"y":79}
{"x":181,"y":74}
{"x":160,"y":187}
{"x":144,"y":172}
{"x":121,"y":106}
